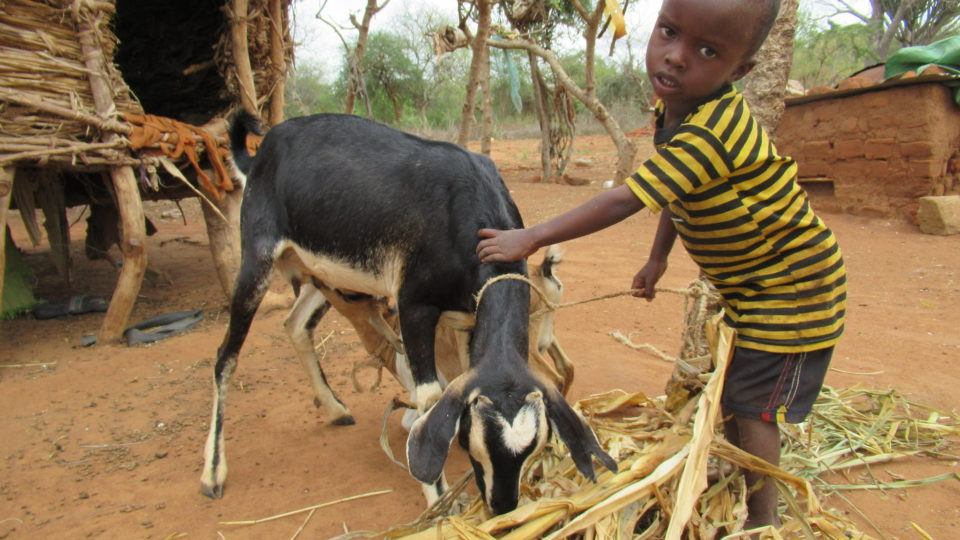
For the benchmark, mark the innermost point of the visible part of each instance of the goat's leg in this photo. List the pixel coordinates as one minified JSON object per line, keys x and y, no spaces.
{"x":251,"y":285}
{"x":418,"y":326}
{"x":309,"y":308}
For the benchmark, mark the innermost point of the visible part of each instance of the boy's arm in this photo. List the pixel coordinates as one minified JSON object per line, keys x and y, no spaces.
{"x":648,"y":276}
{"x":598,"y":213}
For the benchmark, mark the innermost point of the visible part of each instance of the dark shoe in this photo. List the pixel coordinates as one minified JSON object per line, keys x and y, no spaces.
{"x":75,"y":305}
{"x":162,"y":326}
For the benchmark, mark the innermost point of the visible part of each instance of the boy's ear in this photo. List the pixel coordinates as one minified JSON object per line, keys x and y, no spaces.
{"x":742,"y":70}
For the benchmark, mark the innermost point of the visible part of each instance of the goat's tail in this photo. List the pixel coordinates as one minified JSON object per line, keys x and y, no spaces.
{"x":243,"y":124}
{"x":551,"y":258}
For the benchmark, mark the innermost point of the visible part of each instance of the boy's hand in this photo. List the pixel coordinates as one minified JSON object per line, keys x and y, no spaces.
{"x":647,"y":278}
{"x":505,"y":246}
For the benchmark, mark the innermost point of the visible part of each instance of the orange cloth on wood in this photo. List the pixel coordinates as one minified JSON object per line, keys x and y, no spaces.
{"x":149,"y":130}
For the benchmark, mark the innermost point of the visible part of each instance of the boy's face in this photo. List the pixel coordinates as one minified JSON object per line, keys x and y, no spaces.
{"x":697,"y":46}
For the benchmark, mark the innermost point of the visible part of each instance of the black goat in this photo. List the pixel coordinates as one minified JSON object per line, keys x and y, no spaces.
{"x":339,"y":203}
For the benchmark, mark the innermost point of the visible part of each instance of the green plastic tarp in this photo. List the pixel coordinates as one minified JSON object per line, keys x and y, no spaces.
{"x":944,"y":53}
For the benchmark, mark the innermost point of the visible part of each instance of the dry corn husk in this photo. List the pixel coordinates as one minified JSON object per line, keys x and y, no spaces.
{"x":849,"y":427}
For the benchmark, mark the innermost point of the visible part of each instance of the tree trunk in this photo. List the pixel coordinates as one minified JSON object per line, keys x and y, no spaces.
{"x":543,"y":116}
{"x":766,"y":85}
{"x":355,"y":79}
{"x":486,"y":129}
{"x":241,"y":57}
{"x":6,"y":191}
{"x":479,"y":47}
{"x":397,"y":106}
{"x":278,"y":60}
{"x":887,"y":34}
{"x":133,"y":243}
{"x":625,"y":148}
{"x":224,"y":238}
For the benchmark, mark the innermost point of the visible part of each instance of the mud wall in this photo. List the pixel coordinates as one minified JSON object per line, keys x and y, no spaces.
{"x":881,"y":150}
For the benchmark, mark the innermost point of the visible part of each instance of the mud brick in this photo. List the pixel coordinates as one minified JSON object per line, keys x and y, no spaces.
{"x":922,"y":169}
{"x":848,"y":125}
{"x":817,"y":148}
{"x":814,"y":168}
{"x":880,"y":148}
{"x":849,"y":148}
{"x":877,"y":121}
{"x":917,"y":149}
{"x":827,"y":111}
{"x":912,"y":134}
{"x":875,"y":99}
{"x":939,"y":215}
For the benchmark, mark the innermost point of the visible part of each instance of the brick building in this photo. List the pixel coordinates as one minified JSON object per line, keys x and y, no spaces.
{"x":875,"y":150}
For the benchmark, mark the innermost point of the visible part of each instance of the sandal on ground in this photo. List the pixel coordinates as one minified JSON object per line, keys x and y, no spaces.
{"x":75,"y":305}
{"x":162,"y":326}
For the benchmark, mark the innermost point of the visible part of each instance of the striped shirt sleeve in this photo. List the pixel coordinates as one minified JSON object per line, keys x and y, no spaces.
{"x":691,"y":159}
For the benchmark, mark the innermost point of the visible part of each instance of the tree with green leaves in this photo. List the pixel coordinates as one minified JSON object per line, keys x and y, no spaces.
{"x":590,"y":21}
{"x":907,"y":22}
{"x":355,"y":52}
{"x":823,"y":57}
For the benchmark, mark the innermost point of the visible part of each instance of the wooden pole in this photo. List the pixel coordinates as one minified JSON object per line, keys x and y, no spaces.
{"x":277,"y":24}
{"x":224,"y":238}
{"x":543,"y":116}
{"x":133,"y":244}
{"x":486,"y":126}
{"x":39,"y":104}
{"x":6,"y":193}
{"x":479,"y":48}
{"x":241,"y":56}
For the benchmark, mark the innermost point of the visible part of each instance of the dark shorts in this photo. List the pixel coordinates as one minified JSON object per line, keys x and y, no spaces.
{"x":774,"y":387}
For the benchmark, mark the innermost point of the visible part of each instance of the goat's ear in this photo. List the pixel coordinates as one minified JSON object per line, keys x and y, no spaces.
{"x":576,"y":434}
{"x":430,"y":436}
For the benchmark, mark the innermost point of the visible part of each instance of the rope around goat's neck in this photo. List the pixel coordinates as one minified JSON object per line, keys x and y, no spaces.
{"x":694,"y":291}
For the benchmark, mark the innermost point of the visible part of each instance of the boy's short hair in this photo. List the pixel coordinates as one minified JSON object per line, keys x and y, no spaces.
{"x":766,"y":14}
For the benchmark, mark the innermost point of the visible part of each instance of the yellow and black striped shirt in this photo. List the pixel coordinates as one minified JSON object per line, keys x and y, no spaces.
{"x":746,"y":222}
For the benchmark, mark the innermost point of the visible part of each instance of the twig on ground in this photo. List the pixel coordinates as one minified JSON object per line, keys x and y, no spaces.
{"x":307,"y":509}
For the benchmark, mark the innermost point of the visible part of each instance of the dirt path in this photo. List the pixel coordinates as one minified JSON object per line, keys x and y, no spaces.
{"x":106,"y":442}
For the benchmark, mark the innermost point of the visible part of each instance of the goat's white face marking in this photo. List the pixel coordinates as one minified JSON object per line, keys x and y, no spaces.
{"x":383,"y":282}
{"x":528,"y":428}
{"x":518,"y":435}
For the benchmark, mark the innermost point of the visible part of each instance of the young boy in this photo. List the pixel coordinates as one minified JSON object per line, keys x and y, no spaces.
{"x":718,"y":181}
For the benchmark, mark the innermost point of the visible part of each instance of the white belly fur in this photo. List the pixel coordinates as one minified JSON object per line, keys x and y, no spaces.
{"x":296,"y":261}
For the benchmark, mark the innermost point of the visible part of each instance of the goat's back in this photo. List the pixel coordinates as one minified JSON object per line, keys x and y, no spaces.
{"x":331,"y":177}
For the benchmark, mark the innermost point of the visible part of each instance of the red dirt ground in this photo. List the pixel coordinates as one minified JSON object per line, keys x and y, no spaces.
{"x":106,"y":442}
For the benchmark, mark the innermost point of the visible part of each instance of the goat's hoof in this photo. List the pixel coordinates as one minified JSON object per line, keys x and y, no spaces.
{"x":213,"y":492}
{"x":346,"y":420}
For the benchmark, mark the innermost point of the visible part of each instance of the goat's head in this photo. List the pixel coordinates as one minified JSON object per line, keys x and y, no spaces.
{"x":503,"y":419}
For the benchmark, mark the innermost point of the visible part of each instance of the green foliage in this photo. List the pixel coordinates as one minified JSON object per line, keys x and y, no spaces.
{"x":391,"y":77}
{"x":823,"y":57}
{"x":18,"y":295}
{"x":307,"y":94}
{"x":617,"y":82}
{"x":409,"y":88}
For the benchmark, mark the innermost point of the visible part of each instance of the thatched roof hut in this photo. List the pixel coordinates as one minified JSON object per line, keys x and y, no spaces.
{"x":119,"y":101}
